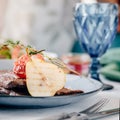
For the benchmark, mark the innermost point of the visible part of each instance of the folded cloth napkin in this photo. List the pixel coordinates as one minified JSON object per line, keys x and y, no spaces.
{"x":111,"y":71}
{"x":112,"y":56}
{"x":111,"y":64}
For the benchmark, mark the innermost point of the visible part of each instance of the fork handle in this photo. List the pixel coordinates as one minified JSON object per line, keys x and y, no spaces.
{"x":81,"y":116}
{"x":73,"y":71}
{"x":71,"y":116}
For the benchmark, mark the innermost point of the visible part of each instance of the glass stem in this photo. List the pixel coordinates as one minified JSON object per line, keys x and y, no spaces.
{"x":95,"y":65}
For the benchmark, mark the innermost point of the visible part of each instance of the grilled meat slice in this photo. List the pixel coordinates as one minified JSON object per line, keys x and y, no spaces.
{"x":4,"y":91}
{"x":11,"y":85}
{"x":9,"y":81}
{"x":15,"y":92}
{"x":66,"y":91}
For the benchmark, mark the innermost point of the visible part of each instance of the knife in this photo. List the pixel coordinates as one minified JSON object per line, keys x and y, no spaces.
{"x":102,"y":114}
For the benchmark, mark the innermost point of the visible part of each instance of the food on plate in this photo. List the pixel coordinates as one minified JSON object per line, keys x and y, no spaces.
{"x":20,"y":65}
{"x":66,"y":91}
{"x":43,"y":78}
{"x":5,"y":52}
{"x":4,"y":91}
{"x":11,"y":50}
{"x":10,"y":84}
{"x":17,"y":51}
{"x":9,"y":81}
{"x":34,"y":74}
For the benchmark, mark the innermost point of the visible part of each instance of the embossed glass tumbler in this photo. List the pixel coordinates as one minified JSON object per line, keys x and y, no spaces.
{"x":96,"y":26}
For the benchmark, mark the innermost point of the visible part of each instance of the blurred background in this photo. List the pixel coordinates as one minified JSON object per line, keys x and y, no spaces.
{"x":44,"y":24}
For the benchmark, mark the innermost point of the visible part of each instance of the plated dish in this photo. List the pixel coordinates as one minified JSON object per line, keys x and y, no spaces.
{"x":7,"y":64}
{"x":89,"y":86}
{"x":37,"y":79}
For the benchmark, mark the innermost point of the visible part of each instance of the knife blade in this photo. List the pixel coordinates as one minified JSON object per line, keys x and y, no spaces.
{"x":102,"y":114}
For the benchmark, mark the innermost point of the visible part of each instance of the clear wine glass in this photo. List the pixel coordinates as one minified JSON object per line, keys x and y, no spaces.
{"x":96,"y":26}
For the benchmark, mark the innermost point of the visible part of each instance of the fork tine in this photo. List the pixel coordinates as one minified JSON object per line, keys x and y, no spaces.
{"x":58,"y":63}
{"x":99,"y":108}
{"x":96,"y":106}
{"x":61,"y":64}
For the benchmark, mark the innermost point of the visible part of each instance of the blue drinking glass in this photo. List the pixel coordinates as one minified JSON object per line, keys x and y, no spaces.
{"x":96,"y":26}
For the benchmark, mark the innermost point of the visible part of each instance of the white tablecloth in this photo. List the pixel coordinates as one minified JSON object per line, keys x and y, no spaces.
{"x":37,"y":114}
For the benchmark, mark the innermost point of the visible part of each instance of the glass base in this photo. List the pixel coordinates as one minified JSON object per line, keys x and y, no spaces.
{"x":107,"y":87}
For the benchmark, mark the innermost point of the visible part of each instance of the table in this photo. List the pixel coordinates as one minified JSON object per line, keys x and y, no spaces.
{"x":38,"y":114}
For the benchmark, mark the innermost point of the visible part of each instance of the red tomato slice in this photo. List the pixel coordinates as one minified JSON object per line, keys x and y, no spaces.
{"x":20,"y":65}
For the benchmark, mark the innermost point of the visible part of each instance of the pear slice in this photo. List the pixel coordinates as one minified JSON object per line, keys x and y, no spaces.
{"x":44,"y":79}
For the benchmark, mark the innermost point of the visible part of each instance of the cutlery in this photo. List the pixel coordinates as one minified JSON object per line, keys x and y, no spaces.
{"x":102,"y":114}
{"x":91,"y":112}
{"x":61,"y":64}
{"x":83,"y":116}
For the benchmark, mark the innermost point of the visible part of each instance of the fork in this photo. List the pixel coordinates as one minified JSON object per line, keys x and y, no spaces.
{"x":96,"y":107}
{"x":61,"y":64}
{"x":83,"y":114}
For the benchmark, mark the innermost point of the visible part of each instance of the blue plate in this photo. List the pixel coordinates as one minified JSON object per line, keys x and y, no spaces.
{"x":89,"y":86}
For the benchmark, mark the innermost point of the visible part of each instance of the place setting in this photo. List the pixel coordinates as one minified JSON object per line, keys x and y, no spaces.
{"x":23,"y":89}
{"x":42,"y":85}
